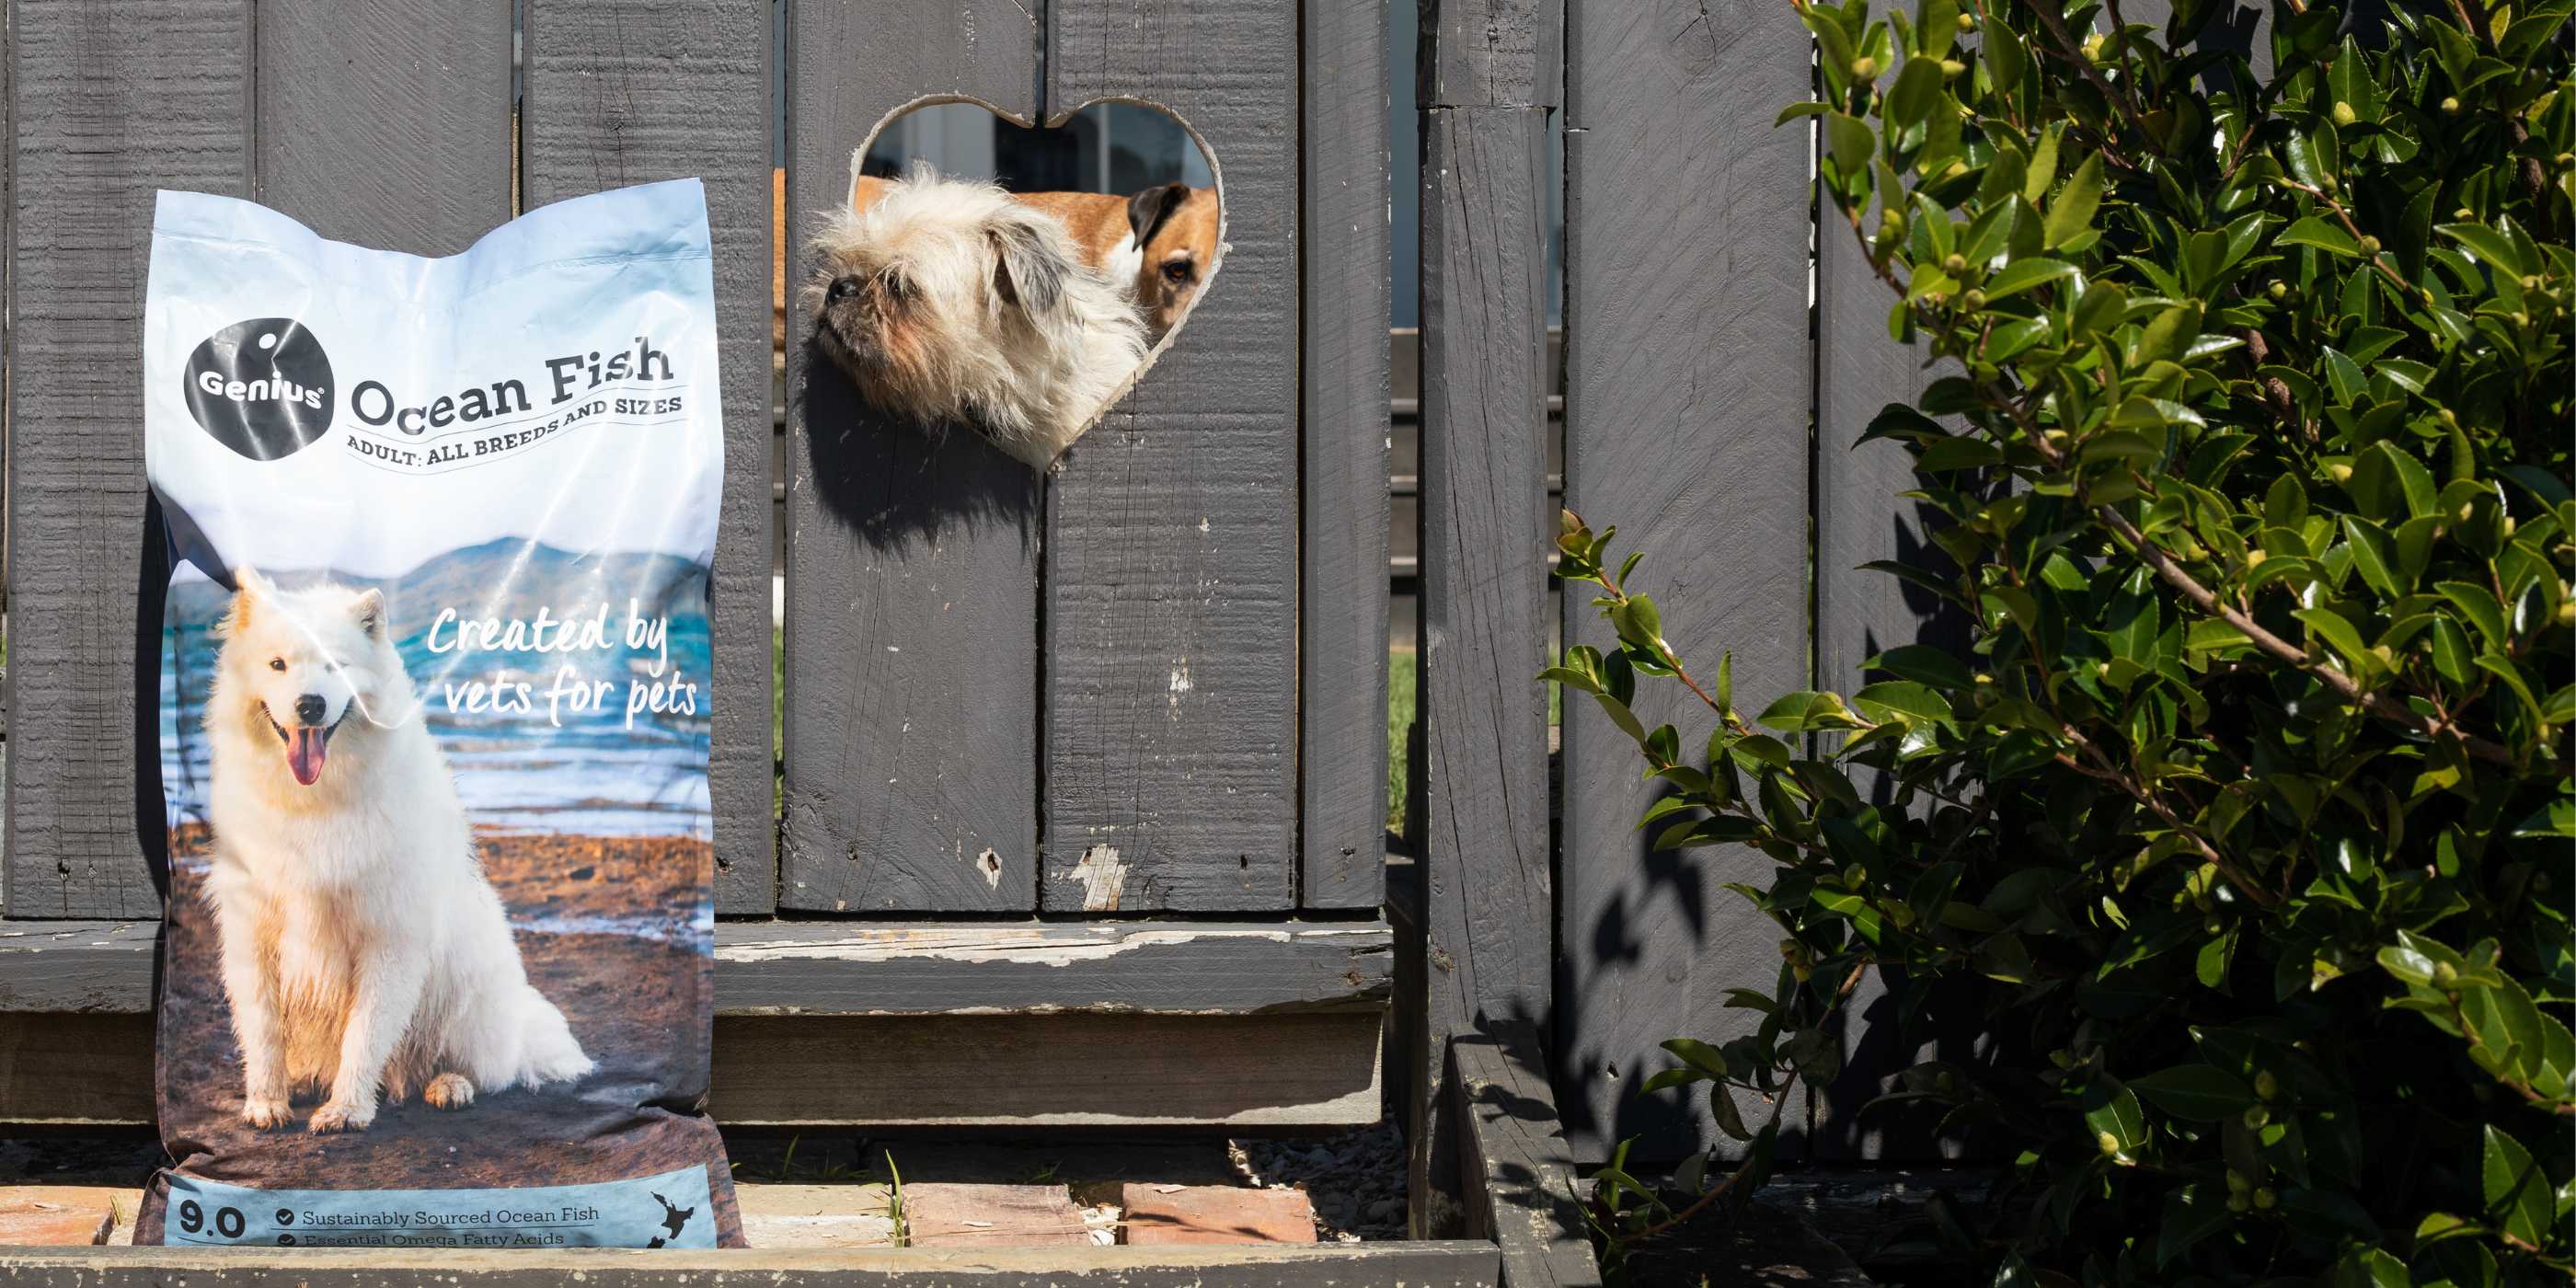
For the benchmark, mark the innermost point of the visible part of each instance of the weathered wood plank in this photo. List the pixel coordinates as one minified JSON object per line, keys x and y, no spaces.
{"x":1486,"y":910}
{"x":76,"y":1069}
{"x":912,"y":563}
{"x":1418,"y":1265}
{"x":1493,"y":53}
{"x":1180,"y":968}
{"x":1023,"y":1071}
{"x":1171,"y":574}
{"x":623,"y":92}
{"x":1342,"y":618}
{"x":1859,"y":516}
{"x":1521,"y":1194}
{"x":829,"y":968}
{"x":110,"y":103}
{"x":1688,"y":383}
{"x":379,"y":127}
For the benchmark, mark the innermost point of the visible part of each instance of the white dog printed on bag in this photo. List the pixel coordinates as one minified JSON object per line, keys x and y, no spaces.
{"x":363,"y":951}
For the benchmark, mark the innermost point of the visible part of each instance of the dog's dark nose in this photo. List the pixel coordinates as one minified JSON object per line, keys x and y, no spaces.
{"x":309,"y":708}
{"x":842,"y":289}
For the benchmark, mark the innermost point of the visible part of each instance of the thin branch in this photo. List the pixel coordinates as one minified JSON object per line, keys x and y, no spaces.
{"x":1665,"y":653}
{"x":2378,"y":704}
{"x":1778,"y":1103}
{"x":2253,"y":889}
{"x":2074,"y":52}
{"x":2470,"y":1032}
{"x":2378,"y":259}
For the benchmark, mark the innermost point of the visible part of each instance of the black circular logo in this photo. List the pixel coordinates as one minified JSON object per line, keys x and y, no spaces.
{"x":262,"y":387}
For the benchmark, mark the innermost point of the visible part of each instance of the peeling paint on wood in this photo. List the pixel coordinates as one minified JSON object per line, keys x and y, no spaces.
{"x":843,"y":968}
{"x":1195,"y":787}
{"x":1102,"y":877}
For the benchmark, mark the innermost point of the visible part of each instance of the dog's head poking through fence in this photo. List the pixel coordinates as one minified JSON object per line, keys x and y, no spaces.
{"x":947,"y":302}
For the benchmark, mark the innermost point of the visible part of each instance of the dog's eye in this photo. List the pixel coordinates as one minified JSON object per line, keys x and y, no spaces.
{"x":1177,"y":272}
{"x":277,"y":664}
{"x":842,"y":289}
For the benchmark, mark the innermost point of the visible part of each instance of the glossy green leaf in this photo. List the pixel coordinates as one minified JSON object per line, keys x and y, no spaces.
{"x":2517,"y":1191}
{"x":2200,"y":1093}
{"x":2071,"y":210}
{"x":2027,"y":274}
{"x":2313,"y":231}
{"x":1799,"y":712}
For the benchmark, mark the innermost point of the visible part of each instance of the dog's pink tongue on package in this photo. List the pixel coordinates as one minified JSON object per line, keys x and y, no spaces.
{"x":436,"y":967}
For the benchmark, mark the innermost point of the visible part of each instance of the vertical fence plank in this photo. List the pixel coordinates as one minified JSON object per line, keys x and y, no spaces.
{"x":1171,"y":572}
{"x":384,"y":125}
{"x":1688,"y":375}
{"x":1493,"y":53}
{"x":111,"y":103}
{"x":1342,"y":654}
{"x":1485,"y":906}
{"x":622,"y":92}
{"x":1860,"y":613}
{"x":911,"y":560}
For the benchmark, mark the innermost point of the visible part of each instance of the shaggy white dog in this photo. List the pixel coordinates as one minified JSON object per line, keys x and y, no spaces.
{"x":363,"y":951}
{"x":949,"y":301}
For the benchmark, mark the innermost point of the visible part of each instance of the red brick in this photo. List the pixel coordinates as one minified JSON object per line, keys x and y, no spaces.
{"x":1159,"y":1214}
{"x":991,"y":1216}
{"x":53,"y":1216}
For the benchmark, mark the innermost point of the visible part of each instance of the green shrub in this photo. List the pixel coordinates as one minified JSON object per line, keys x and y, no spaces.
{"x":2246,"y":819}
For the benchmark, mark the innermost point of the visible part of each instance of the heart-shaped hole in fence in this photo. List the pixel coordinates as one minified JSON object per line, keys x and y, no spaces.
{"x":1010,"y":279}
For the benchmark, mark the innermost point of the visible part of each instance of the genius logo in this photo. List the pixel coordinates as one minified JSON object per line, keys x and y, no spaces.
{"x":261,"y":387}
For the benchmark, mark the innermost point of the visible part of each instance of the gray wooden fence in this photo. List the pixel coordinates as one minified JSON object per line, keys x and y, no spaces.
{"x":1145,"y":686}
{"x":1102,"y":753}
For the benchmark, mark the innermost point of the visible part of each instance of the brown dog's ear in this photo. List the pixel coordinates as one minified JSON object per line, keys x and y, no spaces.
{"x":1028,"y":265}
{"x":1147,"y":210}
{"x":248,"y":589}
{"x":864,"y":188}
{"x":369,"y":612}
{"x":861,"y":189}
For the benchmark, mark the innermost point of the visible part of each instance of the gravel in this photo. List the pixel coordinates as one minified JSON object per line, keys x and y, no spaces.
{"x":1355,"y":1179}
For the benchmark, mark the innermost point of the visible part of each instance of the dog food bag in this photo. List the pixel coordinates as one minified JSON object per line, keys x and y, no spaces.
{"x":434,"y":693}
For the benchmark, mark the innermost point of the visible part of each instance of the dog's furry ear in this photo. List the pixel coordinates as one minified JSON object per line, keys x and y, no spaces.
{"x":249,"y":589}
{"x":369,"y":610}
{"x":1028,"y":265}
{"x":1147,"y":210}
{"x":865,"y":188}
